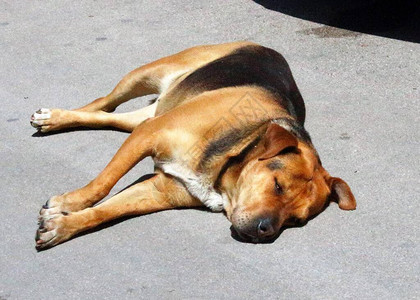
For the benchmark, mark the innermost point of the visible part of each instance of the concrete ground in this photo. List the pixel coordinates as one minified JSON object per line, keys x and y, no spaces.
{"x":362,"y":94}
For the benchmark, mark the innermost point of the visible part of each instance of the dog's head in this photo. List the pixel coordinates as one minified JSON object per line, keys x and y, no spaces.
{"x":284,"y":185}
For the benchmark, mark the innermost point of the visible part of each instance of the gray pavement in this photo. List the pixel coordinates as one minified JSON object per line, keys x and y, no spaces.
{"x":362,"y":94}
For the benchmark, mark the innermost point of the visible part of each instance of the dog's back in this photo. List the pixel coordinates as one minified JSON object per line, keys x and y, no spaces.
{"x":248,"y":65}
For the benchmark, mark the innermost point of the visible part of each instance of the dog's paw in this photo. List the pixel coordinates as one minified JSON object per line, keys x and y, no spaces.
{"x":39,"y":119}
{"x":45,"y":120}
{"x":214,"y":201}
{"x":53,"y":229}
{"x":65,"y":203}
{"x":56,"y":205}
{"x":57,"y":221}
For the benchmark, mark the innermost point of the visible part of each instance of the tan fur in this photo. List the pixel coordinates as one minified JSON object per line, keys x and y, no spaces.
{"x":168,"y":130}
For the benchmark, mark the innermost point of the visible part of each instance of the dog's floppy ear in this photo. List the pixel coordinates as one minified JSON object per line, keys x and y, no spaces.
{"x":341,"y":193}
{"x":276,"y":140}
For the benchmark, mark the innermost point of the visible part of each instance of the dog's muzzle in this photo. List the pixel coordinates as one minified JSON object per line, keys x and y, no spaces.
{"x":257,"y":231}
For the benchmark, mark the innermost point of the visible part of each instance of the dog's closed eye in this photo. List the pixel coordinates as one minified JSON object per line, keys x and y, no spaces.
{"x":277,"y":187}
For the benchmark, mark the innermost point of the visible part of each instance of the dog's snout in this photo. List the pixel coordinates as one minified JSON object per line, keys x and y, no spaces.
{"x":265,"y":228}
{"x":256,"y":230}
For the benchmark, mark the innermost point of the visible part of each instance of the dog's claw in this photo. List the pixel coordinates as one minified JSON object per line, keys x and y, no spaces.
{"x":53,"y":223}
{"x":45,"y":239}
{"x":46,"y":205}
{"x":47,"y":233}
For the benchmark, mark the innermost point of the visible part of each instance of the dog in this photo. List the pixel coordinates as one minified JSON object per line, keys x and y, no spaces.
{"x":226,"y":132}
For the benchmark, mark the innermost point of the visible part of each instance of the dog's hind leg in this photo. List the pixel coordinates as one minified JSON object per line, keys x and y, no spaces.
{"x":158,"y":193}
{"x":153,"y":78}
{"x":140,"y":82}
{"x":46,"y":120}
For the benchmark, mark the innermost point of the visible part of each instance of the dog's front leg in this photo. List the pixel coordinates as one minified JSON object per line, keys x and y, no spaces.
{"x":154,"y":194}
{"x":140,"y":144}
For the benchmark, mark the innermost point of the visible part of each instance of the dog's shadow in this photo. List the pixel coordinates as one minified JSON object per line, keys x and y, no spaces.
{"x":234,"y":234}
{"x":39,"y":134}
{"x":387,"y":18}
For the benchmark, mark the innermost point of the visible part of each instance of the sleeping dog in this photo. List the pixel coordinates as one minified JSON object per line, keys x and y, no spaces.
{"x":226,"y":132}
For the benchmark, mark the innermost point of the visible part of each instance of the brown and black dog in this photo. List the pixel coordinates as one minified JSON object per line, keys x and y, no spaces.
{"x":226,"y":132}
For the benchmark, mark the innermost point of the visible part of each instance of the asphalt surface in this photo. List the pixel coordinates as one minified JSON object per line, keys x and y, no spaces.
{"x":362,"y":94}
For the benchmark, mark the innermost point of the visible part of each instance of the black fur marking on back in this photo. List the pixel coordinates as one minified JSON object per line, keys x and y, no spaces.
{"x":250,"y":65}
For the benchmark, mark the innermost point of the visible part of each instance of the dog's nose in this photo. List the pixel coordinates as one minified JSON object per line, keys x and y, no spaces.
{"x":265,"y":228}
